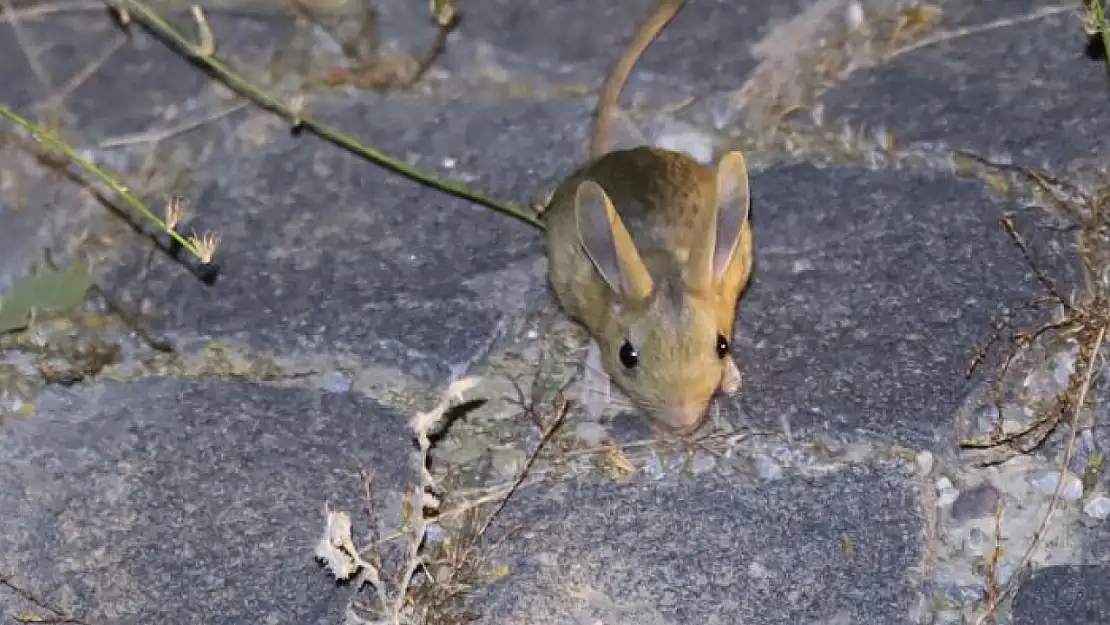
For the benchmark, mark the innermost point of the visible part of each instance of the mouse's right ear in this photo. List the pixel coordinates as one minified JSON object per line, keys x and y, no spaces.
{"x":608,"y":243}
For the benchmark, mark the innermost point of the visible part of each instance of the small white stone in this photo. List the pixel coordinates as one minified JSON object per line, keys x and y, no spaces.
{"x":434,"y":533}
{"x":946,"y":492}
{"x":767,"y":468}
{"x":654,"y":468}
{"x":925,"y":462}
{"x":702,"y":462}
{"x":687,"y":139}
{"x":801,"y":266}
{"x":591,"y":433}
{"x":450,"y":162}
{"x":336,"y":382}
{"x":975,"y":542}
{"x":1098,"y":508}
{"x":1070,"y":491}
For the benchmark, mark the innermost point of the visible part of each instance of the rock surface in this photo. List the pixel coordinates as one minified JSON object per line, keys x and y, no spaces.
{"x":190,"y":487}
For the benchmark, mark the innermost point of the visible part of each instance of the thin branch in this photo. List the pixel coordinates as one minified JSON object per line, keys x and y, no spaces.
{"x":142,"y":14}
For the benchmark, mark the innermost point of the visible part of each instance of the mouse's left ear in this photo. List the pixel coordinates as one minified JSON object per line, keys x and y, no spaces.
{"x":733,"y":204}
{"x":721,"y":235}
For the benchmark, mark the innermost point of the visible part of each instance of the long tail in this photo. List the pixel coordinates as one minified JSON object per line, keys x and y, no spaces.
{"x":602,"y":133}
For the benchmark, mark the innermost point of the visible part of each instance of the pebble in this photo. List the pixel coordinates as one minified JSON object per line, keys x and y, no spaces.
{"x":336,"y":382}
{"x":1098,"y":508}
{"x":946,"y":492}
{"x":966,"y":595}
{"x":767,"y":469}
{"x":1052,"y":381}
{"x":591,"y":433}
{"x":976,"y":502}
{"x":653,"y":468}
{"x":507,"y":462}
{"x":1046,"y":483}
{"x":702,"y":462}
{"x":853,"y":15}
{"x":975,"y":542}
{"x":678,"y":136}
{"x":434,"y":533}
{"x":925,"y":462}
{"x":10,"y":404}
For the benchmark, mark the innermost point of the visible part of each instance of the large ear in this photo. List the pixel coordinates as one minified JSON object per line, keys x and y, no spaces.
{"x":733,"y":205}
{"x":716,"y":244}
{"x":608,"y":243}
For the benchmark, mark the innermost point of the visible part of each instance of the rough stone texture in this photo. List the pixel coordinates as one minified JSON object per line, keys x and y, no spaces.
{"x":582,"y":34}
{"x":327,"y":253}
{"x":141,"y":84}
{"x":1026,"y":91}
{"x":188,"y":503}
{"x":1064,"y":594}
{"x":871,"y":291}
{"x":712,"y":551}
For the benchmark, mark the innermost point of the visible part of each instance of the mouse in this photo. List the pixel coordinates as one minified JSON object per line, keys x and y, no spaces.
{"x":649,"y":251}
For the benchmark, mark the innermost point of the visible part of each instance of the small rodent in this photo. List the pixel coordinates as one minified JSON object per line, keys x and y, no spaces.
{"x":649,"y":251}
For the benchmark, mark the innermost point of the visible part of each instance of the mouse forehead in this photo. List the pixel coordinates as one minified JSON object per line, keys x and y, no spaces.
{"x":671,"y":321}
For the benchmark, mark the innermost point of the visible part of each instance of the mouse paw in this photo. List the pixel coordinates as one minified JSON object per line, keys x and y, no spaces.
{"x":594,"y":388}
{"x":733,"y":379}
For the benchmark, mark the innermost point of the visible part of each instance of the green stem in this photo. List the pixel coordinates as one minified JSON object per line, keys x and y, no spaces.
{"x":150,"y":20}
{"x":114,"y":185}
{"x":1103,"y":31}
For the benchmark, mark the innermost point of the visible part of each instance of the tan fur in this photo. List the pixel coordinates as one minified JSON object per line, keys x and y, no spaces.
{"x":665,"y":201}
{"x":632,"y":238}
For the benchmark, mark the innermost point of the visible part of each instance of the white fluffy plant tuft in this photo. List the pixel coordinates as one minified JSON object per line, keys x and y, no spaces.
{"x":337,"y":551}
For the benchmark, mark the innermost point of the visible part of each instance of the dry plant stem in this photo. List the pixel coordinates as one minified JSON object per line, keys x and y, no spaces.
{"x":57,"y":99}
{"x":1097,"y":11}
{"x":1011,"y":585}
{"x":114,"y":185}
{"x":139,"y":12}
{"x":21,"y":40}
{"x":433,"y":53}
{"x":545,"y":436}
{"x":1040,"y":13}
{"x":154,"y":136}
{"x":41,"y":9}
{"x":992,"y":574}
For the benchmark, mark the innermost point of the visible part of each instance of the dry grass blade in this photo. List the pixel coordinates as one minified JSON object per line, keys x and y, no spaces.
{"x":1085,"y":387}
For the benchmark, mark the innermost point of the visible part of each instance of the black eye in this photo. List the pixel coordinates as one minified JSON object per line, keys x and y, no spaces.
{"x":722,"y":346}
{"x":629,"y":357}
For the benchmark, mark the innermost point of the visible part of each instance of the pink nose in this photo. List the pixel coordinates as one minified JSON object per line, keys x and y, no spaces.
{"x":686,"y":417}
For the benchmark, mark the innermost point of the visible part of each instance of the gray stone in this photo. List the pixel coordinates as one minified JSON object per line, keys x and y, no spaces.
{"x":1025,"y":90}
{"x":908,"y":271}
{"x":581,"y":34}
{"x":710,"y":551}
{"x":1075,"y":595}
{"x":327,"y":253}
{"x":189,"y":503}
{"x":142,"y":84}
{"x":976,"y":502}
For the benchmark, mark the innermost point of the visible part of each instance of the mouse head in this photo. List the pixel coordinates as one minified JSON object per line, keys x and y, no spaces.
{"x":663,"y":342}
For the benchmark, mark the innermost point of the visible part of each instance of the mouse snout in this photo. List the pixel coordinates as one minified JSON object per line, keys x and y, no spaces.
{"x":685,"y":417}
